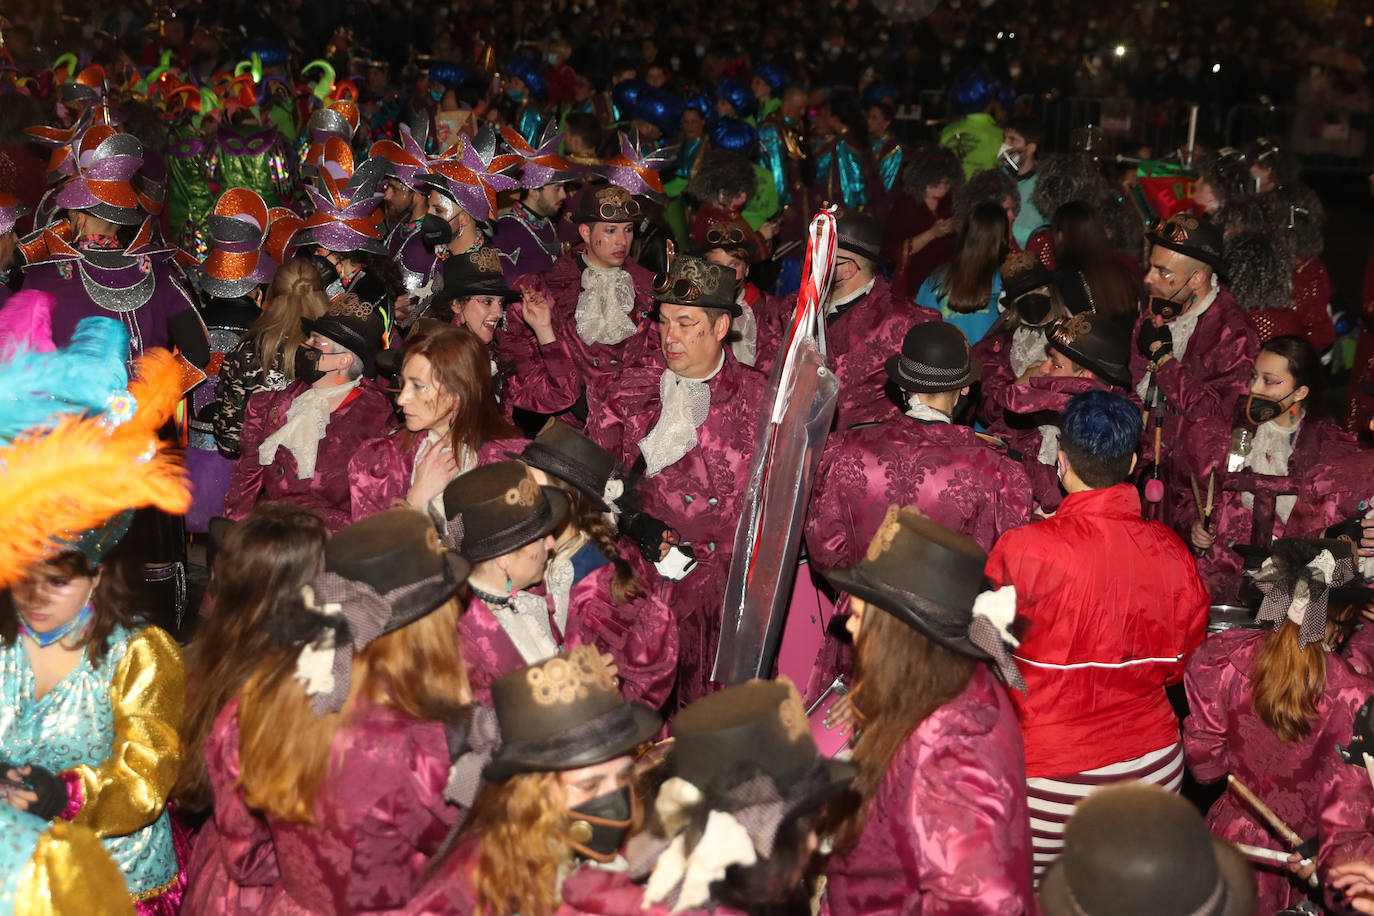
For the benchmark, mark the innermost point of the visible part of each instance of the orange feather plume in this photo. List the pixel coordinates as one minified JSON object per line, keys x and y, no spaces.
{"x":57,"y":483}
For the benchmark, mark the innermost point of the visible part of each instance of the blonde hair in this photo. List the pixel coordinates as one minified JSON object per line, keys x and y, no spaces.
{"x":1287,"y":682}
{"x":521,"y":828}
{"x":285,"y":749}
{"x":296,"y":292}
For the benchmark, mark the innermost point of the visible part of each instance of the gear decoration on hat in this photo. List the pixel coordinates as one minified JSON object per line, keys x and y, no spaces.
{"x":886,"y":534}
{"x":791,"y":713}
{"x":486,"y":260}
{"x":525,"y":493}
{"x":1067,"y":330}
{"x":561,"y":681}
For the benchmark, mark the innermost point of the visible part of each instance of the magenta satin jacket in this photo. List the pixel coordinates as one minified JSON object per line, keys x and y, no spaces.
{"x":379,"y":816}
{"x":944,"y":470}
{"x":1214,"y":373}
{"x":641,"y":635}
{"x":365,"y":413}
{"x":1203,"y":452}
{"x":948,"y":831}
{"x":563,"y":284}
{"x":530,"y":375}
{"x":858,"y":344}
{"x":1334,"y":492}
{"x":699,"y":495}
{"x":1306,"y":784}
{"x":487,"y":651}
{"x":379,"y":471}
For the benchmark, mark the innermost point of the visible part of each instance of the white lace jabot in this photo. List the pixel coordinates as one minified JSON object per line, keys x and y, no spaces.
{"x":605,"y":304}
{"x":686,"y":404}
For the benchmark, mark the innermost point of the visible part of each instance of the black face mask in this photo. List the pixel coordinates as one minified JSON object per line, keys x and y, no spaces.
{"x":1033,"y":309}
{"x":599,"y":827}
{"x":1169,"y":308}
{"x":1259,"y":409}
{"x":435,"y":231}
{"x":307,"y":365}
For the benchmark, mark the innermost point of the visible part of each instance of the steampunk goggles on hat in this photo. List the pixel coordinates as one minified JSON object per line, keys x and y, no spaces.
{"x":679,"y":288}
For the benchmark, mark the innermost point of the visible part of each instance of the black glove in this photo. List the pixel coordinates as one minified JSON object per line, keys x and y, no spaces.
{"x":1150,"y":334}
{"x":1349,"y":530}
{"x":1362,"y":736}
{"x":50,"y":788}
{"x":647,"y":532}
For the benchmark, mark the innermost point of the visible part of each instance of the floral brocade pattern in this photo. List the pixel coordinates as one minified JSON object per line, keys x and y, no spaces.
{"x":943,"y":470}
{"x":1306,"y":783}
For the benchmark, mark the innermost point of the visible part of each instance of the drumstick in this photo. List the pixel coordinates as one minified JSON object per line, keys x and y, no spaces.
{"x":1264,"y":811}
{"x":1259,"y":852}
{"x":1197,"y":500}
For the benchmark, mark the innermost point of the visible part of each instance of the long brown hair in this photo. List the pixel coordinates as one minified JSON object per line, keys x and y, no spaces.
{"x":462,"y":369}
{"x":1287,"y":682}
{"x":1086,"y":254}
{"x":588,"y":518}
{"x":900,"y":678}
{"x":285,"y":750}
{"x":521,"y":832}
{"x":112,"y":602}
{"x":967,"y":285}
{"x":296,"y":292}
{"x":259,"y":570}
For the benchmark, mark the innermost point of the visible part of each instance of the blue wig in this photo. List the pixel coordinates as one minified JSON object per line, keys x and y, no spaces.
{"x":973,"y":90}
{"x":734,"y":135}
{"x":701,"y":102}
{"x":528,"y":71}
{"x":659,"y":107}
{"x":773,"y":75}
{"x":735,"y":91}
{"x":452,"y":75}
{"x":1101,"y":423}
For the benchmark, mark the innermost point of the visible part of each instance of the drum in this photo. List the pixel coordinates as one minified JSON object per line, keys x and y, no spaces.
{"x":1223,"y":617}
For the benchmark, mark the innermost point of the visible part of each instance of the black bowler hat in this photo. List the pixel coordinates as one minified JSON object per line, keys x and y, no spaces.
{"x":563,"y":452}
{"x":562,"y":714}
{"x":861,"y":234}
{"x":922,"y":573}
{"x":474,"y":273}
{"x":498,"y":507}
{"x":1188,"y":235}
{"x":1096,"y":342}
{"x":935,"y":357}
{"x":1136,"y":849}
{"x":694,"y":281}
{"x":354,"y":325}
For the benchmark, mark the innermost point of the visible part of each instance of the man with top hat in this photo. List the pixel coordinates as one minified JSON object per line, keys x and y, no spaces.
{"x":84,"y":264}
{"x":1195,"y":346}
{"x":757,"y":334}
{"x":864,"y":324}
{"x":527,"y":231}
{"x":684,"y":419}
{"x":1085,"y":352}
{"x":296,"y":443}
{"x":1115,"y":607}
{"x":923,"y":459}
{"x":600,"y":295}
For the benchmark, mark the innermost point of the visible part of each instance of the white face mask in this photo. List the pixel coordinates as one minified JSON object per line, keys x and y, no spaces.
{"x":553,"y":59}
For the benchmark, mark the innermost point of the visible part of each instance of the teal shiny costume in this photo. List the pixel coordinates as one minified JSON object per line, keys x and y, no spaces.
{"x":73,"y":727}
